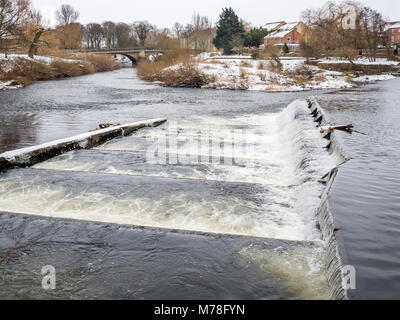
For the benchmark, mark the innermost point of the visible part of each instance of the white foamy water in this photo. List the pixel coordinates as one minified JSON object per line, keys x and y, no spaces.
{"x":284,"y":153}
{"x":300,"y":268}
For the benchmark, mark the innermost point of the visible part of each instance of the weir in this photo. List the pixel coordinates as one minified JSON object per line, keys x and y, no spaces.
{"x":336,"y":257}
{"x":172,"y":179}
{"x":29,"y":156}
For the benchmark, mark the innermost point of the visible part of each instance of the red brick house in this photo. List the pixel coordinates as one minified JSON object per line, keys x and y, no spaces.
{"x":393,"y":33}
{"x":289,"y":33}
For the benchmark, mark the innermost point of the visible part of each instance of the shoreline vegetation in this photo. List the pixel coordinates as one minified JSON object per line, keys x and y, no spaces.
{"x":18,"y":70}
{"x":180,"y":68}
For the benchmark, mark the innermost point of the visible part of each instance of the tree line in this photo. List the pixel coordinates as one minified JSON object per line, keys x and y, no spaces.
{"x":325,"y":31}
{"x":345,"y":29}
{"x":21,"y":27}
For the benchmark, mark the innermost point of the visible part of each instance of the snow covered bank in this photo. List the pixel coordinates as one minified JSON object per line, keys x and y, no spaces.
{"x":212,"y":70}
{"x":19,"y":70}
{"x":290,"y":74}
{"x":268,"y":75}
{"x":374,"y":78}
{"x":361,"y":61}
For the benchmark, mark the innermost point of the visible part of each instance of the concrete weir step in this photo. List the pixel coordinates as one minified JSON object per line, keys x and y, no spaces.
{"x":120,"y":262}
{"x":195,"y":205}
{"x":189,"y":167}
{"x":29,"y":156}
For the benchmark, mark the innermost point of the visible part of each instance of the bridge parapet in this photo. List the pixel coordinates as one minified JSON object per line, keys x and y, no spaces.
{"x":133,"y":54}
{"x":116,"y":50}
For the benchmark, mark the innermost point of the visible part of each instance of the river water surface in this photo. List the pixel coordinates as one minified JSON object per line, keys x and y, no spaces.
{"x":218,"y":203}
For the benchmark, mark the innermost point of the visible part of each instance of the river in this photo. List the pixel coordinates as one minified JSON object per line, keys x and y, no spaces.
{"x":116,"y":225}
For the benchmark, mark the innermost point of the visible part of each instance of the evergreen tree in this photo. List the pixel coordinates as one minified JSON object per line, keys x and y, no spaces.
{"x":229,"y":30}
{"x":285,"y":48}
{"x":255,"y":37}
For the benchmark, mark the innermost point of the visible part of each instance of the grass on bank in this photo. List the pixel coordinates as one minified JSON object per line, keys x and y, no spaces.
{"x":174,"y":69}
{"x":26,"y":71}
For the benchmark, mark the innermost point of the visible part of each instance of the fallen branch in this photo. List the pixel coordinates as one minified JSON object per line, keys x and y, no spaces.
{"x":349,"y":128}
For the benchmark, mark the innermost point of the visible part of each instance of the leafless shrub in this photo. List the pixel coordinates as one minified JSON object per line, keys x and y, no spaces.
{"x":262,"y":76}
{"x":302,"y":71}
{"x":261,"y":66}
{"x":243,"y":74}
{"x":246,"y":64}
{"x":102,"y":63}
{"x":270,"y":52}
{"x":152,"y":71}
{"x":275,"y":66}
{"x":186,"y":75}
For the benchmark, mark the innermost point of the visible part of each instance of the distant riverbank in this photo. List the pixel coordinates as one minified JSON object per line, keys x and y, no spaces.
{"x":269,"y":74}
{"x":18,"y":70}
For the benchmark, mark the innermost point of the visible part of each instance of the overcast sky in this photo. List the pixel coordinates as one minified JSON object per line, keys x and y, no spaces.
{"x":164,"y":13}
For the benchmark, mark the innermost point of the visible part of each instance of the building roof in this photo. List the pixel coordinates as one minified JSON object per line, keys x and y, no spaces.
{"x":273,"y":25}
{"x":283,"y":31}
{"x":393,"y":25}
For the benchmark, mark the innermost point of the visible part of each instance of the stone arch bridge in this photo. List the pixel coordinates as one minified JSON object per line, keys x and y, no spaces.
{"x":133,"y":54}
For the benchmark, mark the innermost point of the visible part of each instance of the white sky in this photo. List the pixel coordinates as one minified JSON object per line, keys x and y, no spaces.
{"x":164,"y":13}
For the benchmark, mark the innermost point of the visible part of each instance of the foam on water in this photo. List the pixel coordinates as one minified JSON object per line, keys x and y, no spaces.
{"x":253,"y":175}
{"x":287,"y":155}
{"x":300,"y":268}
{"x":258,"y":215}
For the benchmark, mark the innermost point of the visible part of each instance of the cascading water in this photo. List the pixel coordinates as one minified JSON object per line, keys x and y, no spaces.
{"x":255,"y":176}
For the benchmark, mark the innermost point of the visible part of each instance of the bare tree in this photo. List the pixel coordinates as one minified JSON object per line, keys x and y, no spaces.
{"x":178,"y":29}
{"x":13,"y":14}
{"x":66,"y":15}
{"x":124,"y":36}
{"x":94,"y":34}
{"x":326,"y":28}
{"x":36,"y":42}
{"x":372,"y":27}
{"x":202,"y":33}
{"x":110,"y":34}
{"x":142,"y":30}
{"x":70,"y":36}
{"x":37,"y":17}
{"x":187,"y":34}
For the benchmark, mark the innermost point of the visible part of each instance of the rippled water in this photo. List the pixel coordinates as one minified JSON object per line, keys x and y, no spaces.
{"x":366,"y":196}
{"x":216,"y":199}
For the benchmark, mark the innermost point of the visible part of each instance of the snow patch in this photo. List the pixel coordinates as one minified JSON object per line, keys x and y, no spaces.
{"x":363,"y":61}
{"x":374,"y":78}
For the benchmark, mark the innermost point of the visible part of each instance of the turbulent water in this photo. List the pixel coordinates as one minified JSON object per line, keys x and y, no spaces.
{"x":269,"y":187}
{"x":220,"y":202}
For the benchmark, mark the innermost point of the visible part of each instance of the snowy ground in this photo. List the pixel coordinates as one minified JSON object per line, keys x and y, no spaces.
{"x":363,"y":61}
{"x":257,"y":75}
{"x":373,"y":78}
{"x":235,"y":72}
{"x":44,"y":59}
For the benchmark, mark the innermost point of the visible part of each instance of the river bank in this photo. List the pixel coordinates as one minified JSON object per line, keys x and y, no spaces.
{"x":19,"y":70}
{"x":274,"y":74}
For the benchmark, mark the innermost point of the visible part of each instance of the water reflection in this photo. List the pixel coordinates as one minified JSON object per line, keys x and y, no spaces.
{"x":17,"y":130}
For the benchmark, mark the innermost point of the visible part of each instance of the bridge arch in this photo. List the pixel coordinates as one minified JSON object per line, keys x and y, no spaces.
{"x":133,"y":59}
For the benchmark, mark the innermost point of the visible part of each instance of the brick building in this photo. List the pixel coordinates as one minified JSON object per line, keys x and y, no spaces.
{"x":393,"y":33}
{"x":288,"y":33}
